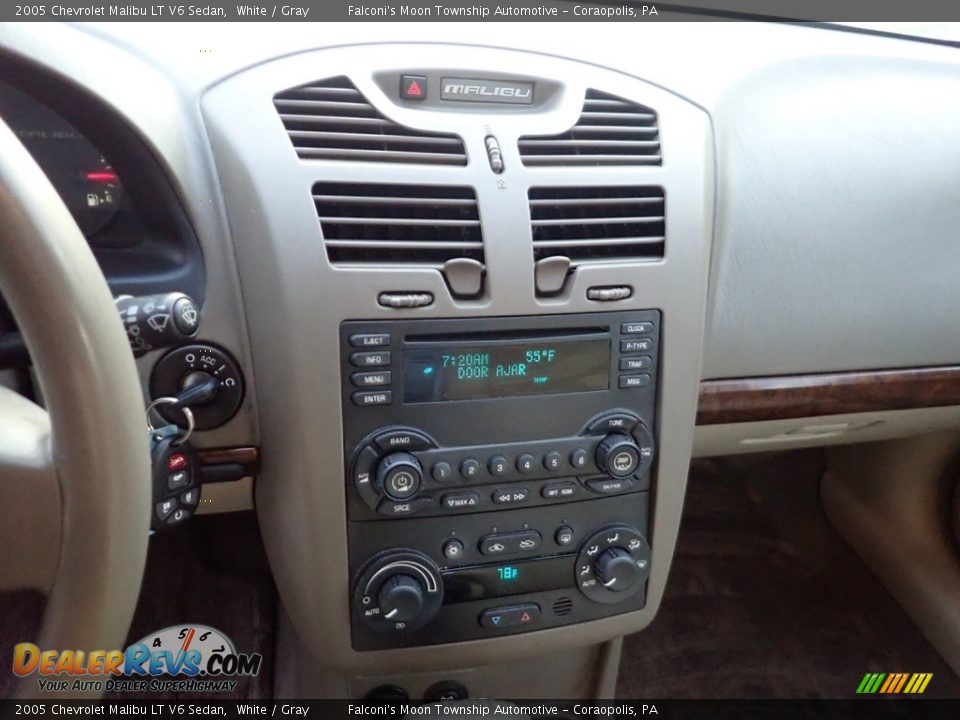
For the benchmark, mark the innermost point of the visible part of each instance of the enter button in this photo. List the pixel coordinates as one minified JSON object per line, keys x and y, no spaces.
{"x":510,"y":616}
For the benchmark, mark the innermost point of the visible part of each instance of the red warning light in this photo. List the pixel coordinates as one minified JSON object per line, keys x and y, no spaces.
{"x":525,"y":618}
{"x":413,"y":87}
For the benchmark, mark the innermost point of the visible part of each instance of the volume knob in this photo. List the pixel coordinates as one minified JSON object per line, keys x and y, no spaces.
{"x":399,"y":476}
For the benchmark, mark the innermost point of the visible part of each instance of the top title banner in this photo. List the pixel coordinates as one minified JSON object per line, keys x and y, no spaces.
{"x":489,"y":11}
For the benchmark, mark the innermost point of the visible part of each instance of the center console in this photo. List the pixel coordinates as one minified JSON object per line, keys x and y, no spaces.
{"x":476,"y":328}
{"x":498,"y":472}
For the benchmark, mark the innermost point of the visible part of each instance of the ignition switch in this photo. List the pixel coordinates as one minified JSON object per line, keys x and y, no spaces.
{"x":207,"y":375}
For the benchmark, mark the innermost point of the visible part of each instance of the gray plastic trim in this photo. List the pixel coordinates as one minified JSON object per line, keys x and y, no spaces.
{"x":295,"y":301}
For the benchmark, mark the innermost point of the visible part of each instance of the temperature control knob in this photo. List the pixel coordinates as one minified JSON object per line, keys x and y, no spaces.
{"x":399,"y":476}
{"x":618,"y":455}
{"x":398,"y":591}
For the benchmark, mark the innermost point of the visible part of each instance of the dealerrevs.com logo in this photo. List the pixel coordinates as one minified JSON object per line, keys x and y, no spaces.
{"x":180,"y":658}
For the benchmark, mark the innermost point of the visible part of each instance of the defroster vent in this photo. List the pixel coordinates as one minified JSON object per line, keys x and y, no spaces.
{"x":332,"y":120}
{"x":598,"y":223}
{"x":393,"y":223}
{"x":610,"y":131}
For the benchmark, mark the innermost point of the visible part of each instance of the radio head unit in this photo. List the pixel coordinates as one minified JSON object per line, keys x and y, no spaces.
{"x":497,"y":459}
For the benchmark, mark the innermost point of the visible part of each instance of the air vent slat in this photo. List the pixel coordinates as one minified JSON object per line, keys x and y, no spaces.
{"x":598,"y":223}
{"x":332,"y":120}
{"x":610,"y":131}
{"x":400,"y":156}
{"x":628,"y":143}
{"x":598,"y":220}
{"x":404,"y":244}
{"x":346,"y":220}
{"x":532,"y":160}
{"x":319,"y":136}
{"x":392,"y":223}
{"x":604,"y":241}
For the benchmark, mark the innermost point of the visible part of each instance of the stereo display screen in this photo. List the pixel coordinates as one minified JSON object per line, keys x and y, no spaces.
{"x":474,"y":372}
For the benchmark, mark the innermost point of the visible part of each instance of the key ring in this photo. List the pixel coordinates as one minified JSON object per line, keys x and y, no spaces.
{"x":186,"y":413}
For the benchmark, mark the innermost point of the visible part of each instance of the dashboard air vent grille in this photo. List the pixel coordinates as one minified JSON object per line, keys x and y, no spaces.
{"x":610,"y":131}
{"x":411,"y":224}
{"x":331,"y":120}
{"x":598,"y":223}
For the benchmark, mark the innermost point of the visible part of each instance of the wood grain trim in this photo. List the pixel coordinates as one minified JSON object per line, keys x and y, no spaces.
{"x":800,"y":396}
{"x":249,"y":457}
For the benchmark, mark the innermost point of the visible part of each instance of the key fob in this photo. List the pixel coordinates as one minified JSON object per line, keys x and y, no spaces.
{"x":176,"y":492}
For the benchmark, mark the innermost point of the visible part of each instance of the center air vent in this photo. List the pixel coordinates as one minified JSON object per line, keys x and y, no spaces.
{"x":610,"y":131}
{"x":410,"y":224}
{"x":598,"y":223}
{"x":332,"y":120}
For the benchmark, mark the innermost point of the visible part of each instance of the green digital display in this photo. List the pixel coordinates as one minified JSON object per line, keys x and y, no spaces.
{"x":508,"y":573}
{"x":505,"y":369}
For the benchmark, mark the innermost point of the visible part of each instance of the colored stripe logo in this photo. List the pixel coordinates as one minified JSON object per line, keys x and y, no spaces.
{"x":894,"y":683}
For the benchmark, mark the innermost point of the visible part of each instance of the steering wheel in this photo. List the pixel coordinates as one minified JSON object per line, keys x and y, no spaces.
{"x":75,"y":489}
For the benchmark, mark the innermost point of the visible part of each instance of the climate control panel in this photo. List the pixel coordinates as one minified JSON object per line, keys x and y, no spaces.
{"x":498,"y":473}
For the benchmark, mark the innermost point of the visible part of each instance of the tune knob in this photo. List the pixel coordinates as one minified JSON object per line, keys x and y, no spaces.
{"x":616,"y":569}
{"x":399,"y":476}
{"x":398,"y":591}
{"x":401,"y":598}
{"x":618,"y":455}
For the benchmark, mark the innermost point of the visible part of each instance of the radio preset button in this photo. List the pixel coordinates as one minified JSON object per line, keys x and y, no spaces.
{"x":458,"y":501}
{"x":579,"y":458}
{"x":370,"y":359}
{"x":640,"y":345}
{"x":371,"y":379}
{"x":370,"y":340}
{"x":442,"y":471}
{"x":497,"y":466}
{"x":510,"y":496}
{"x":552,"y":460}
{"x":381,"y":397}
{"x":637,"y":362}
{"x":526,"y":463}
{"x":510,"y":543}
{"x":470,"y":468}
{"x":636,"y":328}
{"x":558,"y":491}
{"x":635,"y":381}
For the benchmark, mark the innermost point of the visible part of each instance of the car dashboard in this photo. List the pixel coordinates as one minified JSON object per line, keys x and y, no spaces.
{"x":486,"y":300}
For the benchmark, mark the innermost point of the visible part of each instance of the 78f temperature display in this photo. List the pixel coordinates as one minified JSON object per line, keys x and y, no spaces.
{"x":504,"y":370}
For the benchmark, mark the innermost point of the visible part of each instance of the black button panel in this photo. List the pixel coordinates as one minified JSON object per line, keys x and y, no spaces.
{"x":510,"y":616}
{"x":508,"y":487}
{"x":481,"y":478}
{"x":512,"y":543}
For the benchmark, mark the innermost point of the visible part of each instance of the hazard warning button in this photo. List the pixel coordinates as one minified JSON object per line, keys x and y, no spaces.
{"x":413,"y":87}
{"x":510,"y":616}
